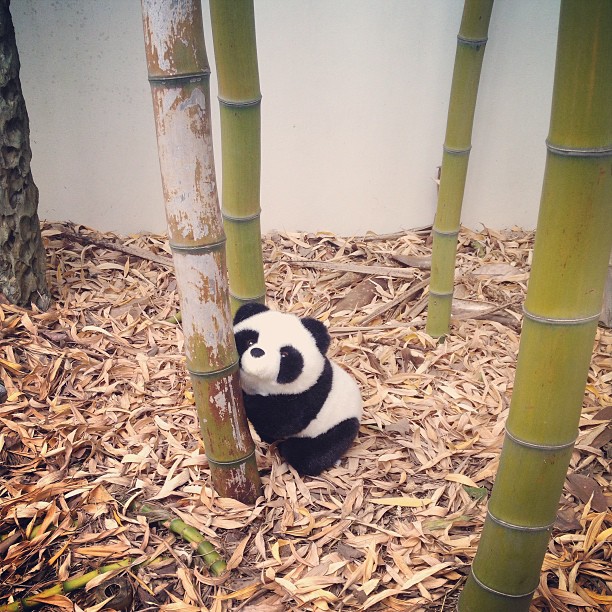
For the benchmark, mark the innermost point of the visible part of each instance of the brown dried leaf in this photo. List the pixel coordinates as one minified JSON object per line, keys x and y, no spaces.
{"x":603,"y":438}
{"x":471,"y":309}
{"x":422,"y":262}
{"x":358,"y":297}
{"x":567,"y":521}
{"x":348,"y":552}
{"x":585,"y":488}
{"x":101,"y":413}
{"x":501,"y":272}
{"x":605,"y":414}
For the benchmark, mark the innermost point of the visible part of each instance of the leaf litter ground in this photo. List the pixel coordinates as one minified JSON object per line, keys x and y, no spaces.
{"x":100,"y":413}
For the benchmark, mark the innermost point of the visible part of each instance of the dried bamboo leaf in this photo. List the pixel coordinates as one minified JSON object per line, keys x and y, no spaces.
{"x":97,"y":418}
{"x":586,"y":488}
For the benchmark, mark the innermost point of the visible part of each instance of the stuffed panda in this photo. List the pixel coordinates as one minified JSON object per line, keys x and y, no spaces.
{"x":292,"y":392}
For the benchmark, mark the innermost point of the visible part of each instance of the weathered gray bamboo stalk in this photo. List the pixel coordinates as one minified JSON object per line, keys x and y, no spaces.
{"x":179,"y":76}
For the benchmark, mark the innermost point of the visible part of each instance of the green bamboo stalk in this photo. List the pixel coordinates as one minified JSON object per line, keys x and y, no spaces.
{"x":67,"y":586}
{"x":179,"y":76}
{"x":471,"y":44}
{"x":573,"y":241}
{"x":213,"y":561}
{"x":211,"y":558}
{"x":233,"y":27}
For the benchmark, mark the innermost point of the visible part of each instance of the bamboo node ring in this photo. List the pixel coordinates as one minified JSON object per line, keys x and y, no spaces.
{"x":545,"y":447}
{"x":473,"y":42}
{"x":233,"y":463}
{"x":579,"y":151}
{"x":246,"y":300}
{"x":239,"y":103}
{"x":252,"y":217}
{"x":452,"y":151}
{"x":441,"y":293}
{"x":214,"y":373}
{"x":519,"y":527}
{"x":179,"y":79}
{"x":481,"y":584}
{"x":185,"y":249}
{"x":443,"y":233}
{"x":561,"y":321}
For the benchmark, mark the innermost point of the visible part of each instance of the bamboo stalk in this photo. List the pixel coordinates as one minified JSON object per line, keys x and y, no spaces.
{"x":213,"y":561}
{"x":233,"y":27}
{"x":215,"y":564}
{"x":179,"y":76}
{"x":396,"y":301}
{"x":368,"y":270}
{"x":162,"y":260}
{"x":67,"y":586}
{"x":573,"y":242}
{"x":457,"y":144}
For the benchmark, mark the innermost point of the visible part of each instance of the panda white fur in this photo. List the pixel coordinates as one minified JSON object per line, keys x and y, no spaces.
{"x":292,"y":392}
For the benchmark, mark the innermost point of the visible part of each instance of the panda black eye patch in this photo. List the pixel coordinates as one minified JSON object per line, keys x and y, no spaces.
{"x":291,"y":365}
{"x":246,"y":338}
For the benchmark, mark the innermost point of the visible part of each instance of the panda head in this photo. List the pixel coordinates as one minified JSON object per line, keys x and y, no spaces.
{"x":279,"y":352}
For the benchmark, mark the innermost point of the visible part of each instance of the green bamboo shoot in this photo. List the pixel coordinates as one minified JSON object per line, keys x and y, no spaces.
{"x":233,"y":26}
{"x":179,"y":76}
{"x":155,"y":513}
{"x":573,"y":241}
{"x":67,"y":586}
{"x":457,"y":144}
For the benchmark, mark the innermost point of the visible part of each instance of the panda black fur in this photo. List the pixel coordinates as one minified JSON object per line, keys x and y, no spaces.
{"x":292,"y":392}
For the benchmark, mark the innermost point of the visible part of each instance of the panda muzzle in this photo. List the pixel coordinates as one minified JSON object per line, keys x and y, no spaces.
{"x":256,"y":362}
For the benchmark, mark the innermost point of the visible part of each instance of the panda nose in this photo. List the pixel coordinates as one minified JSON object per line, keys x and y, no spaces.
{"x":257,"y":352}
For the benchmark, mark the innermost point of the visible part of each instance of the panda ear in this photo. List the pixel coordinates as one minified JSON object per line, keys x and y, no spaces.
{"x":319,"y":332}
{"x":248,"y":310}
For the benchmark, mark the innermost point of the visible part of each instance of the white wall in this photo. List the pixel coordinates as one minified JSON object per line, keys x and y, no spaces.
{"x":355,"y":95}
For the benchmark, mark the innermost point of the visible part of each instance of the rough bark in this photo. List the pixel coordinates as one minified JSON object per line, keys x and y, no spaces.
{"x":22,"y":256}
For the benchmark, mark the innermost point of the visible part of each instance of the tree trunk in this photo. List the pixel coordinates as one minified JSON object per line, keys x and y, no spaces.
{"x":22,"y":256}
